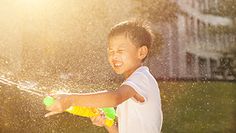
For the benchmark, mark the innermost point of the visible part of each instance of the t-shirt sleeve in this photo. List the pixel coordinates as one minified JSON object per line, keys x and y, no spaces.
{"x":138,"y":81}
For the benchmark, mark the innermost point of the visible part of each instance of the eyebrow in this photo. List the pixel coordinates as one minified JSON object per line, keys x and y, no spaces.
{"x":121,"y":49}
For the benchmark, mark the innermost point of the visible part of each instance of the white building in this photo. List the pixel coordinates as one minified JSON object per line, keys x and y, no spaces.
{"x":192,"y":51}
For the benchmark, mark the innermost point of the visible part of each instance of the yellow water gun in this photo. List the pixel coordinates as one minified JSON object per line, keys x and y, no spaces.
{"x":110,"y":113}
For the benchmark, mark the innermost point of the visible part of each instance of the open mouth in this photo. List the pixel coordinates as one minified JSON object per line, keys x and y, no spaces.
{"x":117,"y":64}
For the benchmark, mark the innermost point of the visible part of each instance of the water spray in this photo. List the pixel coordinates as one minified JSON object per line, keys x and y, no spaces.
{"x":110,"y":113}
{"x":22,"y":87}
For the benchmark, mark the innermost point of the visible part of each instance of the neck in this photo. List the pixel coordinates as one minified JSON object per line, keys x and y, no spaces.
{"x":128,"y":73}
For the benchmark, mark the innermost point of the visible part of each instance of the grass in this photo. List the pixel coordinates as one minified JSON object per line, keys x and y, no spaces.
{"x":199,"y":107}
{"x":188,"y":107}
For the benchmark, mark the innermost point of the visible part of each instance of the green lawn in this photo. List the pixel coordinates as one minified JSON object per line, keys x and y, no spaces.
{"x":188,"y":107}
{"x":199,"y":107}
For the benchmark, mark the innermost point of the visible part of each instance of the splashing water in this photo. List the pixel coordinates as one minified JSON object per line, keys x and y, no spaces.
{"x":24,"y":86}
{"x":24,"y":112}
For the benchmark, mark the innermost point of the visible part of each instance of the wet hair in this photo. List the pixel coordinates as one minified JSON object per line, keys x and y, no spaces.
{"x":137,"y":30}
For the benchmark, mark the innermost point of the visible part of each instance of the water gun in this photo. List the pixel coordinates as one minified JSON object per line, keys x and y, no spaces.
{"x":110,"y":113}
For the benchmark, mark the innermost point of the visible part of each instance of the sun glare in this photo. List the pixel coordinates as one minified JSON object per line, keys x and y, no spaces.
{"x":32,"y":4}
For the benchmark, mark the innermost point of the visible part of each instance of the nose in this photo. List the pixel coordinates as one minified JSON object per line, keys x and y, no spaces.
{"x":115,"y":56}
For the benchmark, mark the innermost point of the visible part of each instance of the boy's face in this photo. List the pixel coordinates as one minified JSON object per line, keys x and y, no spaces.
{"x":123,"y":56}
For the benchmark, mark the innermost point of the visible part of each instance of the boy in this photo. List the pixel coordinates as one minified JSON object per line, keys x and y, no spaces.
{"x":138,"y":98}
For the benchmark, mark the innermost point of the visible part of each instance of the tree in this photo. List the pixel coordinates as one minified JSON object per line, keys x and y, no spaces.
{"x":158,"y":10}
{"x":225,"y":8}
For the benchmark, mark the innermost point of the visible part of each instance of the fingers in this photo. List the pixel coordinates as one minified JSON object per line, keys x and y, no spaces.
{"x":98,"y":120}
{"x":56,"y":107}
{"x":51,"y":113}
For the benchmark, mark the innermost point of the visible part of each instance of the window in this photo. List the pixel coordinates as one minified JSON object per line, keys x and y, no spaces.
{"x":198,"y":29}
{"x":190,"y":62}
{"x":213,"y":67}
{"x":202,"y":62}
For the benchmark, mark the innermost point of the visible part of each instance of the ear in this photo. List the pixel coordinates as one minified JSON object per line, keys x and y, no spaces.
{"x":143,"y":51}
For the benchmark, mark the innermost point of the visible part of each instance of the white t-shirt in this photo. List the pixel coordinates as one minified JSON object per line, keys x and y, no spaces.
{"x":136,"y":117}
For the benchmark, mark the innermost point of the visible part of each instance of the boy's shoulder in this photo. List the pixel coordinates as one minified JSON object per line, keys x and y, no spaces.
{"x":143,"y":70}
{"x":141,"y":74}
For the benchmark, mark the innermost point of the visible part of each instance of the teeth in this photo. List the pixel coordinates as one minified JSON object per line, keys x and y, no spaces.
{"x":117,"y":64}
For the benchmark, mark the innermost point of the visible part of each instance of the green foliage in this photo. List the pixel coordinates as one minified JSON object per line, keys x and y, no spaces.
{"x":158,"y":10}
{"x":223,"y":8}
{"x":227,"y":8}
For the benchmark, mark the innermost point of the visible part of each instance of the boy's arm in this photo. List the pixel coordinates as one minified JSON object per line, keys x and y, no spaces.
{"x":102,"y":99}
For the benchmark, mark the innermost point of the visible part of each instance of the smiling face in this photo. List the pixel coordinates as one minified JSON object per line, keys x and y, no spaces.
{"x":123,"y":56}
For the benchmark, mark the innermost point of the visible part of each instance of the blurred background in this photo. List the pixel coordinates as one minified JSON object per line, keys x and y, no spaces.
{"x":51,"y":45}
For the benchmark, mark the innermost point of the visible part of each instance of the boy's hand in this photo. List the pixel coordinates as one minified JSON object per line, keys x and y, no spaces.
{"x":61,"y":103}
{"x":99,"y":120}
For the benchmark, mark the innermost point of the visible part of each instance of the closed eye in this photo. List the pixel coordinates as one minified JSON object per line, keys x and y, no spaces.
{"x":111,"y":52}
{"x":120,"y":51}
